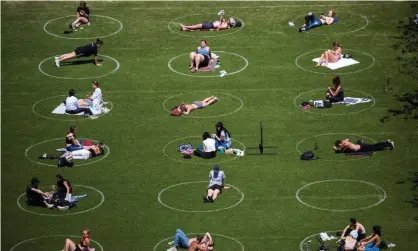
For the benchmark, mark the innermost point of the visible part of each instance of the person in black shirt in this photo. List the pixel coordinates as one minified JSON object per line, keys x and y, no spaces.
{"x":82,"y":51}
{"x":83,"y":16}
{"x":35,"y":196}
{"x":64,"y":188}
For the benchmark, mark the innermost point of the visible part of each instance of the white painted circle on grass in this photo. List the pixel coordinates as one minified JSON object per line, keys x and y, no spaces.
{"x":205,"y":117}
{"x":378,"y":188}
{"x":335,"y":114}
{"x":302,"y":243}
{"x":55,"y":235}
{"x":198,"y":211}
{"x":76,"y":116}
{"x":55,"y":215}
{"x":208,"y":76}
{"x":187,"y":35}
{"x":62,"y":139}
{"x":331,"y":71}
{"x":72,"y":16}
{"x":345,"y":32}
{"x":194,"y":163}
{"x":104,"y":75}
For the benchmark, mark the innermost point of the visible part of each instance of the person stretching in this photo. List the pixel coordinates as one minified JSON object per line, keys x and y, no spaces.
{"x":82,"y":51}
{"x":312,"y":22}
{"x":185,"y":109}
{"x":346,"y":146}
{"x":201,"y":57}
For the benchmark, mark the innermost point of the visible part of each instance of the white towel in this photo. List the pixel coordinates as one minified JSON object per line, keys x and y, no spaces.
{"x":343,"y":62}
{"x":61,"y":110}
{"x":353,"y":101}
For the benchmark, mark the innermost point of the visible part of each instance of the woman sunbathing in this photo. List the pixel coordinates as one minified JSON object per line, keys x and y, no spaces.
{"x":188,"y":108}
{"x":312,"y":22}
{"x":220,"y":24}
{"x":330,"y":56}
{"x":201,"y":57}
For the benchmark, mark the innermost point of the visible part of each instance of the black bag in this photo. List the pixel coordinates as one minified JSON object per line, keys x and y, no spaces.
{"x":383,"y":245}
{"x":309,"y":155}
{"x":327,"y":104}
{"x":62,"y":162}
{"x":347,"y":55}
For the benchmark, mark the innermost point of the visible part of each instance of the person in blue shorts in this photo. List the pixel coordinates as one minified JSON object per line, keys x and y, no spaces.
{"x":312,"y":22}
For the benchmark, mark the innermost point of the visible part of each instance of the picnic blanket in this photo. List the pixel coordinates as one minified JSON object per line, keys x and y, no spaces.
{"x":343,"y":62}
{"x":60,"y":109}
{"x":353,"y":101}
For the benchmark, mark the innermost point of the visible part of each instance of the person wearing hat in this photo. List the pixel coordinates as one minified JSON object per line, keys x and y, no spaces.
{"x":220,"y":24}
{"x":216,"y":184}
{"x":72,"y":106}
{"x":312,"y":22}
{"x":222,"y":137}
{"x":35,"y":196}
{"x":64,"y":188}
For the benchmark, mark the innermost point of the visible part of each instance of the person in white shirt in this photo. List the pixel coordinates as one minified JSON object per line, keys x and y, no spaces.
{"x":216,"y":184}
{"x":222,"y":136}
{"x":72,"y":107}
{"x":93,"y":100}
{"x":209,"y":147}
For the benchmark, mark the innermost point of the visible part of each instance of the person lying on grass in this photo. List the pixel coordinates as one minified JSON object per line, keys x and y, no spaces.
{"x":201,"y":57}
{"x":354,"y":226}
{"x":371,"y":242}
{"x":330,"y":56}
{"x":185,"y":109}
{"x":216,"y":183}
{"x":83,"y":17}
{"x":83,"y":245}
{"x":197,"y":243}
{"x":312,"y":22}
{"x":335,"y":93}
{"x":82,"y":51}
{"x":221,"y":24}
{"x":208,"y":150}
{"x":344,"y":146}
{"x":82,"y":154}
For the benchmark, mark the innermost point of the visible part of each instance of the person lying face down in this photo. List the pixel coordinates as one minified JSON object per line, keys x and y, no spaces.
{"x":220,"y":24}
{"x":346,"y":146}
{"x":312,"y":22}
{"x":185,"y":109}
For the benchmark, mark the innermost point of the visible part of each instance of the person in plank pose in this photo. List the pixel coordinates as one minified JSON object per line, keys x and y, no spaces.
{"x":82,"y":51}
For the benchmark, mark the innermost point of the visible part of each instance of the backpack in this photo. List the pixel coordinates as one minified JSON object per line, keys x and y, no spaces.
{"x":62,"y":162}
{"x":347,"y":56}
{"x":309,"y":155}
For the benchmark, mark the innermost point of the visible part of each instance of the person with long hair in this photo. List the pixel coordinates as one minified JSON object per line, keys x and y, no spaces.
{"x":93,"y":100}
{"x":330,"y":56}
{"x":371,"y":242}
{"x":72,"y":106}
{"x":201,"y":57}
{"x":70,"y":140}
{"x":64,"y":188}
{"x":83,"y":245}
{"x":186,"y":109}
{"x":83,"y":16}
{"x":82,"y":51}
{"x":222,"y":137}
{"x":216,"y":184}
{"x":335,"y":93}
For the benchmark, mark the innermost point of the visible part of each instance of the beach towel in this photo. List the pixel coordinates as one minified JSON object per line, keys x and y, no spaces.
{"x":343,"y":62}
{"x":60,"y":109}
{"x":353,"y":101}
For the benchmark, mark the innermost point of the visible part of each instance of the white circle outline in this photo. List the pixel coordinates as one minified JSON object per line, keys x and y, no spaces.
{"x":182,"y":34}
{"x":345,"y":32}
{"x":45,"y":117}
{"x":101,"y":76}
{"x":208,"y":76}
{"x":57,"y":215}
{"x":342,"y":210}
{"x":196,"y":211}
{"x":310,"y":236}
{"x":55,"y":35}
{"x":225,"y":236}
{"x":55,"y":235}
{"x":334,"y":72}
{"x":335,"y":114}
{"x":49,"y":140}
{"x":199,"y":117}
{"x":236,"y":157}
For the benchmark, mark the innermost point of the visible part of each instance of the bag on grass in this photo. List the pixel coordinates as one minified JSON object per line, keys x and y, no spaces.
{"x":347,"y":55}
{"x":63,"y":162}
{"x":309,"y":155}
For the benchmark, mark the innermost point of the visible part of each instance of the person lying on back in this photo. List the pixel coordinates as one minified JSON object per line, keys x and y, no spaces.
{"x":347,"y":146}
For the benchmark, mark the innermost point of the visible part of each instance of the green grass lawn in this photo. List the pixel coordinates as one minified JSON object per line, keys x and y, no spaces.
{"x":143,"y":167}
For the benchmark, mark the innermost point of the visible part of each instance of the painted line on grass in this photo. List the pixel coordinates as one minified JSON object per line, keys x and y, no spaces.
{"x":335,"y":114}
{"x":302,"y":243}
{"x":219,"y":35}
{"x":55,"y":235}
{"x":208,"y":76}
{"x":57,"y":215}
{"x":101,"y":76}
{"x":61,"y":139}
{"x":194,"y":234}
{"x":205,"y":117}
{"x":378,"y":188}
{"x":334,"y":72}
{"x":198,"y":211}
{"x":72,"y":16}
{"x":194,"y":163}
{"x":71,"y":120}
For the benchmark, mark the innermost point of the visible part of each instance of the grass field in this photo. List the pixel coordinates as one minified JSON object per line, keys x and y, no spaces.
{"x":142,"y":166}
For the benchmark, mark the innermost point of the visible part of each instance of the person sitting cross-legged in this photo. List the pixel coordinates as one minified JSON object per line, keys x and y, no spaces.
{"x":371,"y":242}
{"x":72,"y":106}
{"x":356,"y":226}
{"x":209,"y":147}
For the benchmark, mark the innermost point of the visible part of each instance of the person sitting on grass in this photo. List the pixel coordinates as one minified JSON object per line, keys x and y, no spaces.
{"x":185,"y":109}
{"x":72,"y":144}
{"x":83,"y":17}
{"x":94,"y":100}
{"x":371,"y":242}
{"x":216,"y":183}
{"x":221,"y":24}
{"x":330,"y":56}
{"x":83,"y":245}
{"x":349,"y":242}
{"x":72,"y":106}
{"x":335,"y":93}
{"x":312,"y":22}
{"x":82,"y":51}
{"x":222,"y":137}
{"x":344,"y":146}
{"x":64,"y":188}
{"x":354,"y":226}
{"x":208,"y":150}
{"x":35,"y":196}
{"x":201,"y":57}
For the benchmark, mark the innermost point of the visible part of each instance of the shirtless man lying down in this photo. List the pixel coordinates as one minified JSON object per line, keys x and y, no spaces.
{"x":347,"y":146}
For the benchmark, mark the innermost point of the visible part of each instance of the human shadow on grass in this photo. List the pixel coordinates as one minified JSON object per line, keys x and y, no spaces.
{"x":80,"y":62}
{"x":414,"y":182}
{"x":409,"y":110}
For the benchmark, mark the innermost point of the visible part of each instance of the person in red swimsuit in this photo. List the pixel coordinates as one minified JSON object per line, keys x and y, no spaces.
{"x":84,"y":244}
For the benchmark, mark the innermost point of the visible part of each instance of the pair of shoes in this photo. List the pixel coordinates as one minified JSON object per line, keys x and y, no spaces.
{"x":57,"y":62}
{"x":48,"y":205}
{"x":205,"y":199}
{"x":171,"y":243}
{"x":210,"y":199}
{"x":302,"y":29}
{"x":63,"y":208}
{"x":43,"y":156}
{"x":391,"y":143}
{"x":60,"y":150}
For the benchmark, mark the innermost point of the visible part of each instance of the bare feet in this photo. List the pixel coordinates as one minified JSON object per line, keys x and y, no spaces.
{"x":317,"y":65}
{"x":193,"y":70}
{"x":190,"y":66}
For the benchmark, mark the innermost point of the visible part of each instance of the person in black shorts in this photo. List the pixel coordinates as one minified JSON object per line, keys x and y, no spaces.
{"x":201,"y":57}
{"x":83,"y":245}
{"x":35,"y":196}
{"x":82,"y":51}
{"x":83,"y":16}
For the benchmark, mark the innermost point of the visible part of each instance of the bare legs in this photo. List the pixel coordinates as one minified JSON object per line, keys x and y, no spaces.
{"x":67,"y":56}
{"x":209,"y":101}
{"x":78,"y":22}
{"x":190,"y":27}
{"x":324,"y":57}
{"x":195,"y":60}
{"x":69,"y":245}
{"x":212,"y":195}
